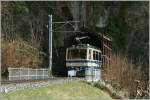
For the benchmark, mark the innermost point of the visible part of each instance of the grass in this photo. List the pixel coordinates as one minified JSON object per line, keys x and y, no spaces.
{"x":65,"y":91}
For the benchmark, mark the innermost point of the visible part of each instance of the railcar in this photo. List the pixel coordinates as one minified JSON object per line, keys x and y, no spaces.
{"x":84,"y":60}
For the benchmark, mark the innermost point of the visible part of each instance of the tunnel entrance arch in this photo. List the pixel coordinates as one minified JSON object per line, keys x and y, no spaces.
{"x":103,"y":42}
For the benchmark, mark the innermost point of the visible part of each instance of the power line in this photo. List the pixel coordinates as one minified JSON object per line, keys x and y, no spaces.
{"x":66,"y":22}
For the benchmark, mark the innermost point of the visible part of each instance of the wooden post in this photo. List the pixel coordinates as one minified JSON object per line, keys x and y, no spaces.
{"x":28,"y":73}
{"x":43,"y":74}
{"x":36,"y":73}
{"x":20,"y":73}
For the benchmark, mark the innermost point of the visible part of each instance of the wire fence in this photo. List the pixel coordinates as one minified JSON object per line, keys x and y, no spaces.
{"x":27,"y":73}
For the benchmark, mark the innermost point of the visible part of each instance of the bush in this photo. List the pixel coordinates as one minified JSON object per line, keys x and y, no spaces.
{"x":19,"y":53}
{"x":125,"y":73}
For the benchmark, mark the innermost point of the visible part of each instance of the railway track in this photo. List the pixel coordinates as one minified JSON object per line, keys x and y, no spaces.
{"x":40,"y":80}
{"x":10,"y":86}
{"x":24,"y":81}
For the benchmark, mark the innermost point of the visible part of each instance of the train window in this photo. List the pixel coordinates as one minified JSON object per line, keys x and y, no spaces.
{"x":89,"y":55}
{"x":68,"y":55}
{"x":77,"y":54}
{"x":99,"y":56}
{"x":95,"y":55}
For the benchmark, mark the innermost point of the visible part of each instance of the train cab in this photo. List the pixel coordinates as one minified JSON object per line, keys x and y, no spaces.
{"x":83,"y":59}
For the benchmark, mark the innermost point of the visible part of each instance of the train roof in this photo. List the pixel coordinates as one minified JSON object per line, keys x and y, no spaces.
{"x":83,"y":46}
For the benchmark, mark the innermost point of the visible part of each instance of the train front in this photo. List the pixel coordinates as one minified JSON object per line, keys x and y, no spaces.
{"x":84,"y":61}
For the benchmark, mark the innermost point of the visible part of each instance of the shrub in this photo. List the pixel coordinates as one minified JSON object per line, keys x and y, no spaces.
{"x":20,"y":53}
{"x":125,"y":73}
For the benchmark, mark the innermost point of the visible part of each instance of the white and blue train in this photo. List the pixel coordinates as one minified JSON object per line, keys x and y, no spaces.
{"x":84,"y":60}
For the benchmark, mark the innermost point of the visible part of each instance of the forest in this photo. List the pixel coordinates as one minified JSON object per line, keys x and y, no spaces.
{"x":24,"y":32}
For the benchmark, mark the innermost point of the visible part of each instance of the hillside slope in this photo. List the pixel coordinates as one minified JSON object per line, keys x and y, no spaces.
{"x":65,"y":91}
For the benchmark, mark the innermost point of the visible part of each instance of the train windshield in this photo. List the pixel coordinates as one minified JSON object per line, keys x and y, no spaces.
{"x":77,"y":54}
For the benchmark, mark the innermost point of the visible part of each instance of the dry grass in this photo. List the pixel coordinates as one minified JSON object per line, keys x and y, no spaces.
{"x":19,"y":53}
{"x":126,"y":73}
